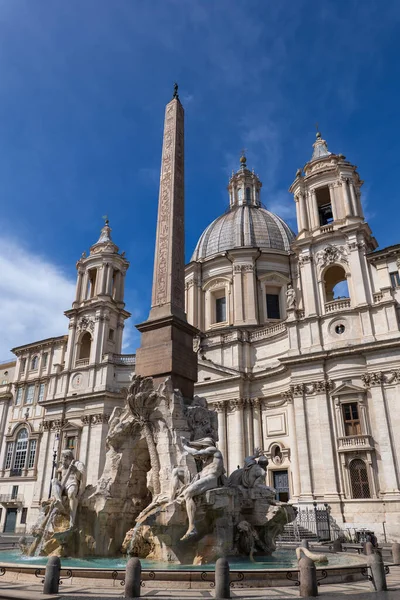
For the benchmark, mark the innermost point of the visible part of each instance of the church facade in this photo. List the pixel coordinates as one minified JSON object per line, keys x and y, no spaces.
{"x":298,"y":352}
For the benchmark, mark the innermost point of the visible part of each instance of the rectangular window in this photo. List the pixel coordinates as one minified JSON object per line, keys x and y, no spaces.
{"x":220,"y":310}
{"x":44,"y":360}
{"x":18,"y":397}
{"x":23,"y":365}
{"x":352,"y":425}
{"x":32,"y":453}
{"x":70,"y":443}
{"x":111,"y":335}
{"x":273,"y":310}
{"x":24,"y":515}
{"x":395,"y":279}
{"x":14,"y":492}
{"x":30,"y":392}
{"x":9,"y":454}
{"x":41,"y":392}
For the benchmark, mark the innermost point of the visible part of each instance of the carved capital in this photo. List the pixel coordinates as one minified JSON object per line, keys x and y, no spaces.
{"x":287,"y":395}
{"x":236,"y":404}
{"x":298,"y":389}
{"x":219,"y":407}
{"x":100,"y":418}
{"x":373,"y":379}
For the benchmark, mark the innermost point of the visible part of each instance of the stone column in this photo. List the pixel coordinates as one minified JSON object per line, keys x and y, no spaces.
{"x":333,"y":201}
{"x":248,"y":429}
{"x":104,"y":274}
{"x":236,"y":437}
{"x":257,"y":423}
{"x":346,"y":198}
{"x":298,"y":214}
{"x":79,"y":286}
{"x":110,"y":270}
{"x":302,"y":443}
{"x":353,"y":200}
{"x":303,"y":212}
{"x":294,"y":459}
{"x":84,"y":286}
{"x":43,"y":458}
{"x":314,"y":208}
{"x":389,"y":483}
{"x":238,"y":294}
{"x":222,"y":443}
{"x":322,"y":389}
{"x":250,"y":303}
{"x":309,"y":292}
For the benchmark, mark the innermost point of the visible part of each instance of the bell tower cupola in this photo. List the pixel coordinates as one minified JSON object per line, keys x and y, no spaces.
{"x":98,"y":311}
{"x":327,"y":192}
{"x":244,"y":186}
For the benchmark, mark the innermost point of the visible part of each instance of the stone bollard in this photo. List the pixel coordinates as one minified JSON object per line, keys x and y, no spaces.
{"x":308,"y":577}
{"x":396,"y":553}
{"x":375,"y":563}
{"x":222,"y":587}
{"x":368,"y":548}
{"x":305,"y":544}
{"x":52,"y":575}
{"x":337,"y":546}
{"x":133,"y":575}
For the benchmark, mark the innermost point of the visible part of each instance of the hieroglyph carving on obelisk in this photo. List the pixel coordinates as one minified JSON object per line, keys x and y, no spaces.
{"x":168,"y":281}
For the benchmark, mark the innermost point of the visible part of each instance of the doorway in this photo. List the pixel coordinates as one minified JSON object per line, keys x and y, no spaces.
{"x":11,"y":520}
{"x":281,"y":485}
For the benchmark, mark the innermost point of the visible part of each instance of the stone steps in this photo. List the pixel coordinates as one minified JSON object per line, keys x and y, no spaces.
{"x":291,"y":533}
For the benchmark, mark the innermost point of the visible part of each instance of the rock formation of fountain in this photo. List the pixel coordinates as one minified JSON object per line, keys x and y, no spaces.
{"x":162,"y":462}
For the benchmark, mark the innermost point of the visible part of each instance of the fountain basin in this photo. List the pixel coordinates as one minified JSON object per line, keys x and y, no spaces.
{"x":271,"y":571}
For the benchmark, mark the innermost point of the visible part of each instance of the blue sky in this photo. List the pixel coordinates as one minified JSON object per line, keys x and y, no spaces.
{"x":82,"y":93}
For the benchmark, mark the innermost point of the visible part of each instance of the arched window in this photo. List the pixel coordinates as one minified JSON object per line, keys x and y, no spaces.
{"x":86,"y":342}
{"x":335,"y":283}
{"x":21,"y":450}
{"x":359,"y":479}
{"x":18,"y":457}
{"x":34,"y":363}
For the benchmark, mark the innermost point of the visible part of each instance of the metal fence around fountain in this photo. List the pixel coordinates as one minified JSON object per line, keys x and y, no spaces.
{"x":312,"y":519}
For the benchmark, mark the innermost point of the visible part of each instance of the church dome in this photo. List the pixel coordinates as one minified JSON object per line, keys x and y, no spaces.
{"x":244,"y":226}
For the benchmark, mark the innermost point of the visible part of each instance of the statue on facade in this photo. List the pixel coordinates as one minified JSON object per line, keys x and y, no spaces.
{"x":205,"y":451}
{"x":290,"y":297}
{"x":69,"y":482}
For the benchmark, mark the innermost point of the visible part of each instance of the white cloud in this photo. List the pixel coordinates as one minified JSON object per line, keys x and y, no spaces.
{"x":33,"y":296}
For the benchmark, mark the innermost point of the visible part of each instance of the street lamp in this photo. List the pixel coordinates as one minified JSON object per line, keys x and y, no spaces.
{"x":54,"y":464}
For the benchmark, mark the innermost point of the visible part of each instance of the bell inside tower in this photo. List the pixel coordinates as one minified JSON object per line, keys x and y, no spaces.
{"x":324,"y":205}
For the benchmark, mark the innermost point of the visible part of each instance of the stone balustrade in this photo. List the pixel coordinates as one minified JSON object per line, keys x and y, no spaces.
{"x":268,"y":332}
{"x":354,"y":442}
{"x":81,"y":362}
{"x":121,"y":359}
{"x":337,"y":305}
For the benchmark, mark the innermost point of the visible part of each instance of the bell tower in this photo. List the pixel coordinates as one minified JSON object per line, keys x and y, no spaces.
{"x":327,"y":192}
{"x":333,"y":237}
{"x":98,"y":311}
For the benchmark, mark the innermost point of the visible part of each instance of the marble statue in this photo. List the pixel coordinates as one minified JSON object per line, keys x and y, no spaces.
{"x":212,"y":470}
{"x":253,"y":474}
{"x":290,"y":297}
{"x":70,"y":481}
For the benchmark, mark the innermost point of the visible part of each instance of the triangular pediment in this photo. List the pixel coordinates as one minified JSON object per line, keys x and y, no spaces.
{"x":347,"y":388}
{"x":71,"y":426}
{"x":216,"y":371}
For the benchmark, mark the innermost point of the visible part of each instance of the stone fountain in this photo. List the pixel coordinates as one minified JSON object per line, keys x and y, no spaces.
{"x":164,"y":493}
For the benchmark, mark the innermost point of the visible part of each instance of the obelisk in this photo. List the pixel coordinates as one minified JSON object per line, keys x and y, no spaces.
{"x":167,"y":338}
